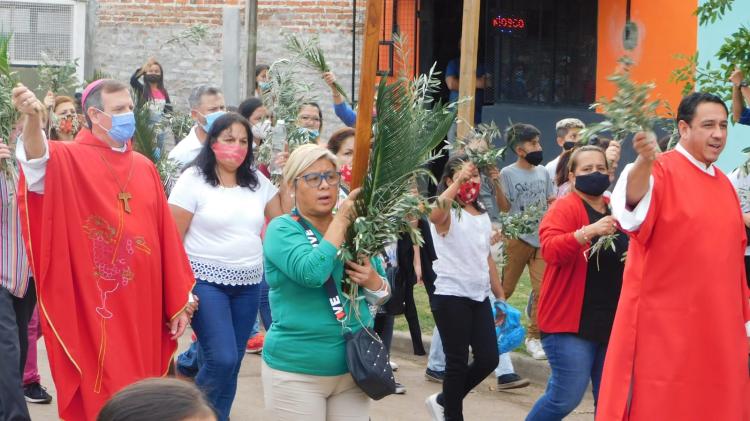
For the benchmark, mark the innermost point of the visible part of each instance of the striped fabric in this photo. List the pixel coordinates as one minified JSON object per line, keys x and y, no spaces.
{"x":14,"y":266}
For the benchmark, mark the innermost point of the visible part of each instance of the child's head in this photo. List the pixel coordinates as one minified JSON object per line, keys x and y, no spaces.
{"x":524,"y":140}
{"x":469,"y":191}
{"x":567,"y":132}
{"x":158,"y":399}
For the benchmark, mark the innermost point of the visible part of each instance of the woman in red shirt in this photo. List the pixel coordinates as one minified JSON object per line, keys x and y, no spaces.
{"x":579,"y":295}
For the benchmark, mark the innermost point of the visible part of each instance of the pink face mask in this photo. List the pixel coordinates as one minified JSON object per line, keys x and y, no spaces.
{"x":234,"y":154}
{"x":346,"y":173}
{"x":469,"y":191}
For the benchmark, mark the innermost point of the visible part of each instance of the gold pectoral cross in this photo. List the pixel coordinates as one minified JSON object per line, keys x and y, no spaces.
{"x":125,"y":197}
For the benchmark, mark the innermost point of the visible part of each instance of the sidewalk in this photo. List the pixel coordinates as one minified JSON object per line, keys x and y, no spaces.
{"x":484,"y":403}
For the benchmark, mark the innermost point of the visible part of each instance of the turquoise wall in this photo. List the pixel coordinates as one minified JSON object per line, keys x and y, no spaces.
{"x":710,"y":39}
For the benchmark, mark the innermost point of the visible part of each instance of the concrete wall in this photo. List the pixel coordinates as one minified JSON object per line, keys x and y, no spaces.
{"x":127,"y":32}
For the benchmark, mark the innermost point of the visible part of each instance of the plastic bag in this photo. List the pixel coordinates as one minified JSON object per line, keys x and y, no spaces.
{"x":510,"y":333}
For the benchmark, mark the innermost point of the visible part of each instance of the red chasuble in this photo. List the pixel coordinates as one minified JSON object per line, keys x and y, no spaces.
{"x":108,"y":281}
{"x":679,"y":347}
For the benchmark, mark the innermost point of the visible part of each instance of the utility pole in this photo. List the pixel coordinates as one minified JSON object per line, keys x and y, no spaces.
{"x":467,"y":81}
{"x":251,"y":28}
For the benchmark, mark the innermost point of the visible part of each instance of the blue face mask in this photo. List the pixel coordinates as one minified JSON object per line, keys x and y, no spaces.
{"x":210,"y":118}
{"x":123,"y":127}
{"x":311,"y":133}
{"x":264,"y":86}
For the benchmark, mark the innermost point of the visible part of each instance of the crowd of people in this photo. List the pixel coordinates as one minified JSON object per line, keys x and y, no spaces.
{"x":112,"y":271}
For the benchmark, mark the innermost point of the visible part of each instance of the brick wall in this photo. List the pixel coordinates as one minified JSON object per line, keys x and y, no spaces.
{"x":130,"y":31}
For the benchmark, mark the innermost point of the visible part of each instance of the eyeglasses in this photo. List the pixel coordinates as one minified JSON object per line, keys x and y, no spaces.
{"x":315,"y":179}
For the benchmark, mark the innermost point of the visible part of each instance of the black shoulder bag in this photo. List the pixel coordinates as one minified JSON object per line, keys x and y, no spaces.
{"x":366,"y":355}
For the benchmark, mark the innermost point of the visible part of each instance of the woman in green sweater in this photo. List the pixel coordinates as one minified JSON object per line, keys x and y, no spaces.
{"x":305,"y":375}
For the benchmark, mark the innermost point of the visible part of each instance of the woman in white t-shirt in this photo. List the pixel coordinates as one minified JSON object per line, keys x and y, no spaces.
{"x":219,"y":204}
{"x":466,"y":275}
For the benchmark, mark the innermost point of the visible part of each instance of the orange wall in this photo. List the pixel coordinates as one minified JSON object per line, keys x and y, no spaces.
{"x":407,"y":24}
{"x":665,"y":28}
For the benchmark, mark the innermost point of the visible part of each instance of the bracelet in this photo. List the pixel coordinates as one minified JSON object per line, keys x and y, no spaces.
{"x":582,"y":230}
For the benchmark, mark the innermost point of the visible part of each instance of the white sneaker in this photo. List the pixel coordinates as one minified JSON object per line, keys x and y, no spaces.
{"x":437,"y":413}
{"x":394,"y":366}
{"x":534,"y":346}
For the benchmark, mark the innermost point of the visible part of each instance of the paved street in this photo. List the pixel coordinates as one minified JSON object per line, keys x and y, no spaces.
{"x":483,"y":404}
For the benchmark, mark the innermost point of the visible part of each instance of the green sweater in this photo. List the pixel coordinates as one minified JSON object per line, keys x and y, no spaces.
{"x":305,"y":336}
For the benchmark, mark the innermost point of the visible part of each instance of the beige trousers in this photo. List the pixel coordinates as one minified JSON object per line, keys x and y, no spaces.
{"x":521,"y":255}
{"x":303,"y":397}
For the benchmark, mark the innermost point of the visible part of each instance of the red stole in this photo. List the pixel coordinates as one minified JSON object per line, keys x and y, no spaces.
{"x":108,"y":281}
{"x":679,"y":344}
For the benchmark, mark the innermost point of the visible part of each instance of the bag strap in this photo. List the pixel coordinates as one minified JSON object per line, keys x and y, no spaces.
{"x":333,"y":295}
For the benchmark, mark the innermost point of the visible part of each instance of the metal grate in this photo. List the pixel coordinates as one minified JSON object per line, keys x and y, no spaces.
{"x":39,"y":29}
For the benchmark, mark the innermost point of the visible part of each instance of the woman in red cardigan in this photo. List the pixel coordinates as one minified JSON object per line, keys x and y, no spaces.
{"x":579,"y":296}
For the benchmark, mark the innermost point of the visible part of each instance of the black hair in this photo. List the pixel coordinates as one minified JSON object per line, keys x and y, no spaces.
{"x":451,"y":167}
{"x":313,"y":104}
{"x":206,"y":159}
{"x":146,"y":92}
{"x":248,"y":106}
{"x":338,"y":137}
{"x":520,"y":133}
{"x":690,"y":103}
{"x":260,"y":68}
{"x":156,"y":399}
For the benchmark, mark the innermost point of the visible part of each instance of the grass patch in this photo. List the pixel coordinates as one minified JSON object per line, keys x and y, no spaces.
{"x":427,"y":323}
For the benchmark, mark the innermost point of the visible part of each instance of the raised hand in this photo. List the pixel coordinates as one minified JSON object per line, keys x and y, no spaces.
{"x":645,"y":145}
{"x":25,"y":101}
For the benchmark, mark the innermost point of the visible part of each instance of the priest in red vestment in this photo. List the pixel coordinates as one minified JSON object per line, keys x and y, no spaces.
{"x":112,"y":277}
{"x":679,"y":346}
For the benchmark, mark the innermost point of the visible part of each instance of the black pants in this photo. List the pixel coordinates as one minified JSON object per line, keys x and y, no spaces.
{"x":412,"y":318}
{"x":15,"y":314}
{"x":747,"y":270}
{"x":384,"y":328}
{"x":464,"y":323}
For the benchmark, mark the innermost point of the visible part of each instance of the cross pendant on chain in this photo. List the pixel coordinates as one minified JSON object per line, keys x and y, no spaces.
{"x":125,"y":197}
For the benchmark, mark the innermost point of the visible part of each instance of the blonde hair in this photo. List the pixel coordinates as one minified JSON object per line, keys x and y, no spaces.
{"x":563,"y":126}
{"x":302,"y":158}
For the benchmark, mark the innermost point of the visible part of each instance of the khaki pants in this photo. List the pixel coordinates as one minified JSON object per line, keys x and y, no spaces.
{"x":303,"y":397}
{"x":520,"y":255}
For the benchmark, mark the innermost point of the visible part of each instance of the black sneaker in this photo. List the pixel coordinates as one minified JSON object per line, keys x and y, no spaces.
{"x":435,"y":375}
{"x":36,"y":393}
{"x":511,"y":381}
{"x":400,"y":389}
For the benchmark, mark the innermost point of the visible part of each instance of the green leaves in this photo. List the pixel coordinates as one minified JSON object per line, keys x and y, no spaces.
{"x":313,"y":57}
{"x":479,"y":146}
{"x":144,"y":142}
{"x":190,"y":36}
{"x":629,"y":111}
{"x":526,"y":222}
{"x":711,"y":10}
{"x":603,"y":243}
{"x":58,"y":79}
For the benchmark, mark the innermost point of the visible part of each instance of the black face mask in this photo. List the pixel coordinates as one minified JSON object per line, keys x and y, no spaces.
{"x":594,"y":184}
{"x":152,"y":78}
{"x":568,"y":145}
{"x":534,"y":158}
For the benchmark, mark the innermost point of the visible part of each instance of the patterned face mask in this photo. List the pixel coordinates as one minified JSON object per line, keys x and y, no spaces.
{"x":65,"y":125}
{"x":346,"y":174}
{"x":469,"y":192}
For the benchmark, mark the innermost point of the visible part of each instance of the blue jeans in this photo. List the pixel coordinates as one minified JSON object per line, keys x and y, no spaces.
{"x":264,"y":310}
{"x":190,"y":361}
{"x":574,"y":361}
{"x":222,"y":323}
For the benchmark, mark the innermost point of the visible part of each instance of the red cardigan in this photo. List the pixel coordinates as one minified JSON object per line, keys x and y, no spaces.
{"x":564,"y":282}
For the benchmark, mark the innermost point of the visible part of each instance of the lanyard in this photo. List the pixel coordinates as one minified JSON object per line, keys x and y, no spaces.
{"x":333,"y":295}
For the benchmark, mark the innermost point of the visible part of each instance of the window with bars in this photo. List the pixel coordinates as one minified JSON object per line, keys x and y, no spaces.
{"x":39,"y":29}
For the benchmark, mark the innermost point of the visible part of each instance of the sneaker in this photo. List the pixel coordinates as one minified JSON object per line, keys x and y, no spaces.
{"x":394,"y":366}
{"x":36,"y":393}
{"x":255,"y":344}
{"x":434,"y":375}
{"x":400,"y":389}
{"x":534,"y":346}
{"x":437,"y":413}
{"x":511,"y":381}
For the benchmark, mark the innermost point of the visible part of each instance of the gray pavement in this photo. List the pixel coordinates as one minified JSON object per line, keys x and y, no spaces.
{"x":483,"y":404}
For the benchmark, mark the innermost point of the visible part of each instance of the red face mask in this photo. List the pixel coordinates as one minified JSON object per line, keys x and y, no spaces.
{"x":229,"y":153}
{"x":346,"y":173}
{"x":469,"y":192}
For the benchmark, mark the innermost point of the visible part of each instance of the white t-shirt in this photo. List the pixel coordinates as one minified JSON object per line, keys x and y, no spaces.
{"x":461,"y":265}
{"x":551,"y":168}
{"x":742,"y":186}
{"x":223,"y":240}
{"x":187,"y":150}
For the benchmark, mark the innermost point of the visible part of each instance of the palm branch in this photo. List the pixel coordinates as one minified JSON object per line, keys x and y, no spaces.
{"x":406,"y":131}
{"x":145,"y":143}
{"x":58,"y":79}
{"x":8,"y":113}
{"x":313,"y":55}
{"x":479,"y":147}
{"x":603,"y":243}
{"x":629,"y":111}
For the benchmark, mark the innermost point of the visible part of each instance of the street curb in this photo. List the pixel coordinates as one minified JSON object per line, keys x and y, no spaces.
{"x":536,"y":371}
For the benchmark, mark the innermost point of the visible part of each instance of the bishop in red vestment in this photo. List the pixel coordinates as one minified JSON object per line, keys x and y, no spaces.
{"x":112,"y":276}
{"x":679,"y":346}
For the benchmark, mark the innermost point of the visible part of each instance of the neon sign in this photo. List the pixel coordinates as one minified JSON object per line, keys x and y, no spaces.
{"x":509,"y":24}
